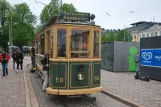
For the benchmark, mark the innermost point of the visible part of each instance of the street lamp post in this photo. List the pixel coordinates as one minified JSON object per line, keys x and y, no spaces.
{"x":124,"y":33}
{"x":10,"y":31}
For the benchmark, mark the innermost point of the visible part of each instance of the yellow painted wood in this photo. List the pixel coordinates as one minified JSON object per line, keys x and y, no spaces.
{"x":76,"y":60}
{"x":46,"y":42}
{"x":100,"y":34}
{"x":49,"y":90}
{"x":55,"y":43}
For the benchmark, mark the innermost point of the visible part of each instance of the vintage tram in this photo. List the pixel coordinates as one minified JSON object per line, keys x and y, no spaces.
{"x":73,"y":42}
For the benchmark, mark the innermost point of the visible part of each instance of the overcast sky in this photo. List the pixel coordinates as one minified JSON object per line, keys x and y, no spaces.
{"x":144,"y":10}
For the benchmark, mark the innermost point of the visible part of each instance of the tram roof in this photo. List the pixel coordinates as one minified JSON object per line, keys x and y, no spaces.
{"x":62,"y":19}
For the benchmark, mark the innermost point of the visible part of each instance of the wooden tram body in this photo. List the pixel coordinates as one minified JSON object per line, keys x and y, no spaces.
{"x":75,"y":56}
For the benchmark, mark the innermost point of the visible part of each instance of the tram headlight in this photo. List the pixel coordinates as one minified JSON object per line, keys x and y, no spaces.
{"x":80,"y":76}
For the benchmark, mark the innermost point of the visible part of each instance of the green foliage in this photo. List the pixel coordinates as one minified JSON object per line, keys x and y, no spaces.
{"x":119,"y":36}
{"x":108,"y":37}
{"x":111,"y":36}
{"x":24,"y":14}
{"x":104,"y":37}
{"x":23,"y":22}
{"x":54,"y":9}
{"x":68,"y":7}
{"x":122,"y":35}
{"x":3,"y":10}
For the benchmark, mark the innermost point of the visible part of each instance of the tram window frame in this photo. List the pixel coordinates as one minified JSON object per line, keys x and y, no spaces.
{"x":96,"y":41}
{"x":37,"y":46}
{"x":61,"y":53}
{"x":78,"y":51}
{"x":51,"y":42}
{"x":42,"y":44}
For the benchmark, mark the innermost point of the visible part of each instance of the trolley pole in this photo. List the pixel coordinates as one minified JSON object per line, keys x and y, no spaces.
{"x":46,"y":6}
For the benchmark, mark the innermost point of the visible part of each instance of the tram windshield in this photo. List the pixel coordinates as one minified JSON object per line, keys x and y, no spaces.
{"x":79,"y":43}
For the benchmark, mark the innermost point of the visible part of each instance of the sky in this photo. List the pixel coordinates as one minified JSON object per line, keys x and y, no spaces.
{"x":119,"y":10}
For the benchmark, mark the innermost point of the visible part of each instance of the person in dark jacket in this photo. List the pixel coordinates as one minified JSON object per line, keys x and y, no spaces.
{"x":45,"y":63}
{"x":20,"y":60}
{"x":15,"y":58}
{"x":4,"y":59}
{"x":33,"y":57}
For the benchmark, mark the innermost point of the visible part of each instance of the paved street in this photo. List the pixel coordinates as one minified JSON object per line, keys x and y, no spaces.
{"x":124,"y":85}
{"x":46,"y":100}
{"x":12,"y":91}
{"x":12,"y":88}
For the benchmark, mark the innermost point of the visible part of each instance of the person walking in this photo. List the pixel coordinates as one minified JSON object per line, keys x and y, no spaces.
{"x":4,"y":59}
{"x":15,"y":58}
{"x":20,"y":60}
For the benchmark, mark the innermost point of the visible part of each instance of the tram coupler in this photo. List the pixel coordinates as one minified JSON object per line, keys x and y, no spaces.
{"x":90,"y":98}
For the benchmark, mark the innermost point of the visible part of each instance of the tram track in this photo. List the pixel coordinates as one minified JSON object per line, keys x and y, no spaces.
{"x":40,"y":84}
{"x":93,"y":103}
{"x":63,"y":101}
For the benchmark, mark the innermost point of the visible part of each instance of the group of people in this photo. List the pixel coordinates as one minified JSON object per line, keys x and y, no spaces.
{"x":17,"y":58}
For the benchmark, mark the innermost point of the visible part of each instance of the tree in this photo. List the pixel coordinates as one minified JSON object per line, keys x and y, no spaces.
{"x":122,"y":35}
{"x":3,"y":28}
{"x":23,"y":29}
{"x":111,"y":36}
{"x":54,"y":9}
{"x":108,"y":37}
{"x":104,"y":37}
{"x":24,"y":14}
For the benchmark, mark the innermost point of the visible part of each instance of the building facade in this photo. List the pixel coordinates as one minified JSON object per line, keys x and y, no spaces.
{"x":144,"y":29}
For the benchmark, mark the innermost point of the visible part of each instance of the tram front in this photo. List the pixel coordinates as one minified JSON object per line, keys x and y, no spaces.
{"x":76,"y":64}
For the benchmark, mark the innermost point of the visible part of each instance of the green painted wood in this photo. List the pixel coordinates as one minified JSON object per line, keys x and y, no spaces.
{"x":74,"y":82}
{"x":96,"y":78}
{"x":58,"y":75}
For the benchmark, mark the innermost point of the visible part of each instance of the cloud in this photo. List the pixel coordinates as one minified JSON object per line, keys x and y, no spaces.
{"x":119,"y":10}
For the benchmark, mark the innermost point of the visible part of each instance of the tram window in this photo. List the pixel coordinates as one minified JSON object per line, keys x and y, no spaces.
{"x":61,"y":38}
{"x":42,"y":45}
{"x":79,"y":43}
{"x":36,"y":46}
{"x":96,"y":44}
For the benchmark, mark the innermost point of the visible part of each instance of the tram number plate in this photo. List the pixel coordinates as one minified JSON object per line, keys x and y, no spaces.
{"x":59,"y":79}
{"x":96,"y":78}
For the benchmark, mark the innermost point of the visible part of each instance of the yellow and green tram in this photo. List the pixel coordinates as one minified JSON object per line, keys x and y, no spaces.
{"x":73,"y":42}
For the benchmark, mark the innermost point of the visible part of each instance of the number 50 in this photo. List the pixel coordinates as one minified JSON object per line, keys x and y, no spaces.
{"x":59,"y":79}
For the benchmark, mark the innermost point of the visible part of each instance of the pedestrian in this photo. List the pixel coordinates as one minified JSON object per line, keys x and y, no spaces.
{"x":20,"y":60}
{"x":15,"y":58}
{"x":4,"y":59}
{"x":33,"y":59}
{"x":45,"y":63}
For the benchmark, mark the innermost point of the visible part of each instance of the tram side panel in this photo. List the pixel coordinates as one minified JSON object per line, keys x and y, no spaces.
{"x":76,"y":75}
{"x":58,"y":75}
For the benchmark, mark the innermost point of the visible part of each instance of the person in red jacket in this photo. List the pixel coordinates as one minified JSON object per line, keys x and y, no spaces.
{"x":4,"y":59}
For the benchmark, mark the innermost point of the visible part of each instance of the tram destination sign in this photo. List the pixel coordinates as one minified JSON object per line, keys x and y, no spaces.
{"x":76,"y":16}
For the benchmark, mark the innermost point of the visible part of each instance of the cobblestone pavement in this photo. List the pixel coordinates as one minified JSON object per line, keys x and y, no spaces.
{"x":46,"y":100}
{"x":12,"y":88}
{"x":124,"y":85}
